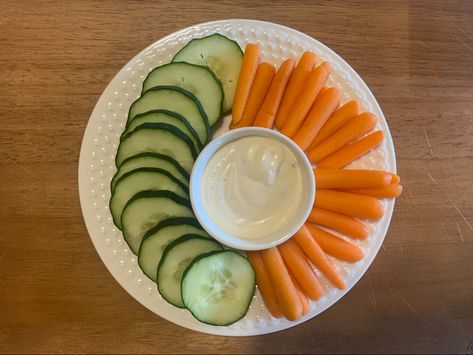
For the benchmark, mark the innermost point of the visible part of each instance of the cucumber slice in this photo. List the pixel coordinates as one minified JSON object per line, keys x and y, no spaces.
{"x":151,"y":160}
{"x":175,"y":99}
{"x":197,"y":79}
{"x":220,"y":54}
{"x":218,"y":287}
{"x":176,"y":258}
{"x":159,"y":237}
{"x":147,"y":208}
{"x":158,"y":138}
{"x":171,"y":118}
{"x":142,"y":179}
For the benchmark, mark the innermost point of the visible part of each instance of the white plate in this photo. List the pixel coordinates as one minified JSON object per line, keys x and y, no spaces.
{"x":96,"y":166}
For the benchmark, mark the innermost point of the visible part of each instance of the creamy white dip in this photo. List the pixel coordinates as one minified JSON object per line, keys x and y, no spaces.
{"x":252,"y":186}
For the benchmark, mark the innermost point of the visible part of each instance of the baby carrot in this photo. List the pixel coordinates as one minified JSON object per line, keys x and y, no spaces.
{"x":315,"y":253}
{"x":351,"y":151}
{"x":390,"y":191}
{"x":325,"y":104}
{"x":284,"y":288}
{"x":267,"y":112}
{"x":264,"y":283}
{"x":347,"y":225}
{"x":306,"y":98}
{"x":351,"y":179}
{"x":245,"y":80}
{"x":337,"y":120}
{"x":298,"y":78}
{"x":354,"y":205}
{"x":297,"y":264}
{"x":396,"y":179}
{"x":355,"y":128}
{"x":334,"y":246}
{"x":302,"y":297}
{"x":264,"y":76}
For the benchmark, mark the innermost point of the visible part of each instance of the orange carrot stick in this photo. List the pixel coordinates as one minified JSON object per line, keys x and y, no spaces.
{"x":355,"y":205}
{"x":284,"y":288}
{"x":315,"y":253}
{"x":297,"y":264}
{"x":245,"y":80}
{"x":396,"y":179}
{"x":304,"y":301}
{"x":351,"y":179}
{"x":267,"y":112}
{"x":337,"y":120}
{"x":264,"y":283}
{"x":352,"y":151}
{"x":390,"y":191}
{"x":263,"y":78}
{"x":347,"y":225}
{"x":293,"y":89}
{"x":325,"y":104}
{"x":306,"y":97}
{"x":334,"y":246}
{"x":355,"y":128}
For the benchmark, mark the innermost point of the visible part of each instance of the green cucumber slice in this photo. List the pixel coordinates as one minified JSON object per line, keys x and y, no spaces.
{"x":197,"y":79}
{"x":169,"y":117}
{"x":160,"y":236}
{"x":222,"y":55}
{"x":175,"y":99}
{"x":158,"y":138}
{"x":147,"y":208}
{"x":151,"y":160}
{"x":218,"y":287}
{"x":176,"y":258}
{"x":142,"y":179}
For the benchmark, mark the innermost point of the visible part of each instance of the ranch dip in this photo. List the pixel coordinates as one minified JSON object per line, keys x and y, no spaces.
{"x":252,"y":186}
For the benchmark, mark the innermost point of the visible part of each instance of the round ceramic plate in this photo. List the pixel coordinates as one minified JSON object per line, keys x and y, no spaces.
{"x":96,"y":166}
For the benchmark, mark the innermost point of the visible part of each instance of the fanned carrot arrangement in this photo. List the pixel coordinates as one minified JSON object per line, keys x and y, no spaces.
{"x":295,"y":100}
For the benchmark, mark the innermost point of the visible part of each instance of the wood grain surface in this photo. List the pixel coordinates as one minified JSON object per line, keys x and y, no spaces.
{"x":56,"y":58}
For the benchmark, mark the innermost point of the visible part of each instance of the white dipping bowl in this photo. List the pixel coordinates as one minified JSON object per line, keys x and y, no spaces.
{"x":279,"y":236}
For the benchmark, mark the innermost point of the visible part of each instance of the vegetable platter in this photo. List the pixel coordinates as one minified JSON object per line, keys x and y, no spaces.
{"x":143,"y":110}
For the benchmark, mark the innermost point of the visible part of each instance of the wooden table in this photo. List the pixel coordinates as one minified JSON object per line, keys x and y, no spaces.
{"x":57,"y":57}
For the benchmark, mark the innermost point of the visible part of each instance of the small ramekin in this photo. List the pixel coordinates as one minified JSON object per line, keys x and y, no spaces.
{"x":276,"y":238}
